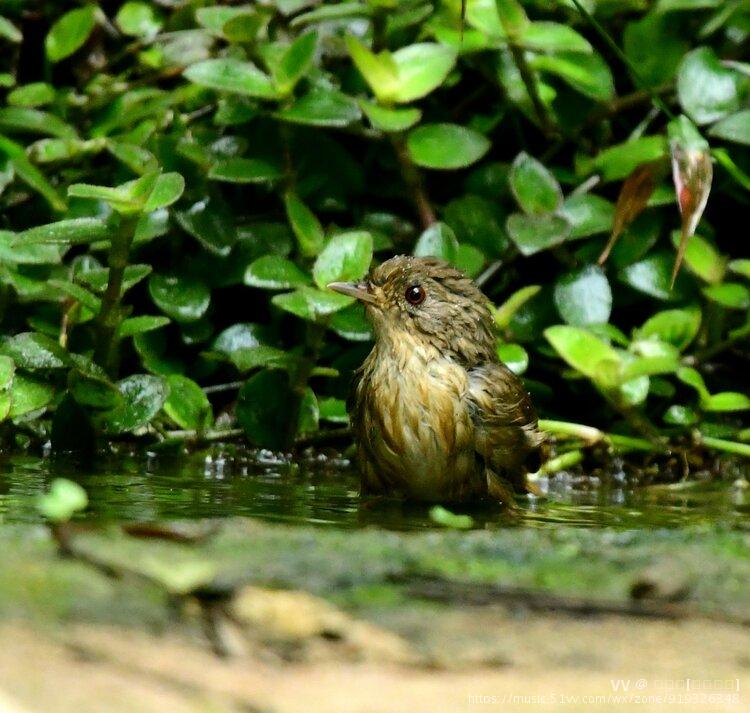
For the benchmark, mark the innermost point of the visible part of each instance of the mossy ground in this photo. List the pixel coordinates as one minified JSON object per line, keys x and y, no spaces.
{"x":137,"y":640}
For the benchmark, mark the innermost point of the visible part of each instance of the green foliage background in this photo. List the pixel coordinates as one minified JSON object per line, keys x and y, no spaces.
{"x":180,"y":179}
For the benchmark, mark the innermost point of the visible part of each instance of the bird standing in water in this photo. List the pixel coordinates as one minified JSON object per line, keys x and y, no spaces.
{"x":436,"y":416}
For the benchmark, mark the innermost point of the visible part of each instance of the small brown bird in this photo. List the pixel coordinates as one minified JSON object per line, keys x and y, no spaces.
{"x":436,"y":416}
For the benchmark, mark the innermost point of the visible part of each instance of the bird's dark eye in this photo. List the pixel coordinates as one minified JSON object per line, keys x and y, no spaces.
{"x":415,"y":295}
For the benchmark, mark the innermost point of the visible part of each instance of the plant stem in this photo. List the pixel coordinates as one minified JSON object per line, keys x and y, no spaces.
{"x":207,"y":436}
{"x":300,"y":376}
{"x":637,"y":77}
{"x":590,"y":434}
{"x":110,"y":315}
{"x":719,"y":444}
{"x":414,"y":182}
{"x":529,"y":81}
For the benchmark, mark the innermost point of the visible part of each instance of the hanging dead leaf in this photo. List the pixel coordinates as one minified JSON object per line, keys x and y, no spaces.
{"x":692,"y":174}
{"x":633,"y":198}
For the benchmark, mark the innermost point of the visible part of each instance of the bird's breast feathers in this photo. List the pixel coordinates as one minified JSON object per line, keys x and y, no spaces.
{"x":415,"y":429}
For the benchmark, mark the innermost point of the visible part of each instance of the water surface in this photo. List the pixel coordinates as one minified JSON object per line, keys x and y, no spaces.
{"x":322,"y":489}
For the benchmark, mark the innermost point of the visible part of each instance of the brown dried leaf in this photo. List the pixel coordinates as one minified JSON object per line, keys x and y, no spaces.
{"x":634,"y":195}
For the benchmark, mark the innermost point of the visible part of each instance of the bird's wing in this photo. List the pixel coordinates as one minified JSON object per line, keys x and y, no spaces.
{"x":505,"y":423}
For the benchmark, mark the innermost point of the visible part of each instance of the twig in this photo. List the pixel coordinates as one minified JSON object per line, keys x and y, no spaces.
{"x":481,"y":594}
{"x":327,"y":436}
{"x":220,"y":388}
{"x":414,"y":182}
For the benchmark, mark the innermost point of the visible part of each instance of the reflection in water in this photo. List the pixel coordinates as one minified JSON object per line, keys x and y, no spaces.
{"x":323,"y":490}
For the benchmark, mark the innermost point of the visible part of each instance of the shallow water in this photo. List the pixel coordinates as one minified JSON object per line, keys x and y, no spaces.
{"x":322,"y":490}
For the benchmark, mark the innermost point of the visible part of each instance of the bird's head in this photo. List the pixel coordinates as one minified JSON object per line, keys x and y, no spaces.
{"x":426,"y":299}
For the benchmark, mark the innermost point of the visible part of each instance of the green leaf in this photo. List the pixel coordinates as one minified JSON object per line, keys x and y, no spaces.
{"x":216,"y":17}
{"x":584,"y":296}
{"x":234,"y":76}
{"x":142,"y":398}
{"x":643,"y":36}
{"x":93,"y":390}
{"x":351,"y":323}
{"x":32,"y":351}
{"x":741,"y":267}
{"x":322,"y":107}
{"x":79,"y":293}
{"x":420,"y":69}
{"x":553,"y":37}
{"x":127,"y":198}
{"x":581,"y":349}
{"x":183,"y":298}
{"x":380,"y":71}
{"x":272,"y":272}
{"x":15,"y":252}
{"x":311,"y":304}
{"x":9,"y":31}
{"x":653,"y":276}
{"x":588,"y":74}
{"x":241,"y":336}
{"x":346,"y":257}
{"x":263,"y":409}
{"x":726,"y":401}
{"x":167,"y":190}
{"x":245,"y":170}
{"x":138,"y":325}
{"x":731,"y":295}
{"x":333,"y":410}
{"x":469,"y":259}
{"x":707,"y":90}
{"x":29,"y":395}
{"x":138,"y":19}
{"x":514,"y":356}
{"x":309,"y":414}
{"x":442,"y":516}
{"x":675,"y":326}
{"x":702,"y":258}
{"x":534,"y":187}
{"x":7,"y":370}
{"x":136,"y":158}
{"x":677,"y":415}
{"x":438,"y":240}
{"x":534,"y":233}
{"x":251,"y":358}
{"x":735,"y":128}
{"x":504,"y":313}
{"x":70,"y":32}
{"x":98,"y":278}
{"x":691,"y":377}
{"x":17,"y":118}
{"x":64,"y":499}
{"x":388,"y":119}
{"x":75,"y":231}
{"x":32,"y":95}
{"x":446,"y":146}
{"x":295,"y":62}
{"x":306,"y":226}
{"x":30,"y":174}
{"x":211,"y":223}
{"x":186,"y":404}
{"x":617,"y":162}
{"x":588,"y":215}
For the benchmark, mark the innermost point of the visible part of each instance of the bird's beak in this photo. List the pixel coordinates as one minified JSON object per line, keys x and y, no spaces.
{"x":358,"y":290}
